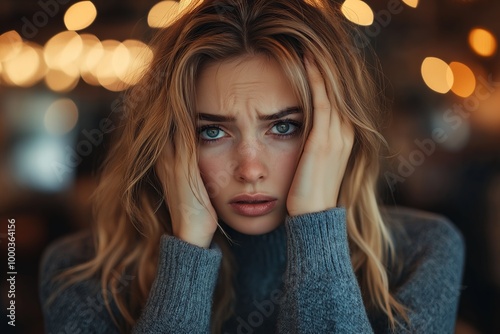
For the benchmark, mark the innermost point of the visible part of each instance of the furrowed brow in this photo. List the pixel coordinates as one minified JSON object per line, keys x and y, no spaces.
{"x":227,"y":119}
{"x":281,"y":114}
{"x":215,"y":118}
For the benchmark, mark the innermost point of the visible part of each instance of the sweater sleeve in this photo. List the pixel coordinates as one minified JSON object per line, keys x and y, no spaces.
{"x":322,"y":294}
{"x":179,"y":301}
{"x":431,"y":288}
{"x":321,"y":291}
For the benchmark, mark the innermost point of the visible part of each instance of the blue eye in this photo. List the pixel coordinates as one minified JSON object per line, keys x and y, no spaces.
{"x":210,"y":132}
{"x":286,"y":128}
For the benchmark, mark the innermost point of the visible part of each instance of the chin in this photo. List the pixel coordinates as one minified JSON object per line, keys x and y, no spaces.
{"x":254,"y":225}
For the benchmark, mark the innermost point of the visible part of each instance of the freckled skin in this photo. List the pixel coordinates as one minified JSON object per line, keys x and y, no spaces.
{"x":249,"y":157}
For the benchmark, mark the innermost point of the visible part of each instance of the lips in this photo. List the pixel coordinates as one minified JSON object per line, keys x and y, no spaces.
{"x":253,"y":205}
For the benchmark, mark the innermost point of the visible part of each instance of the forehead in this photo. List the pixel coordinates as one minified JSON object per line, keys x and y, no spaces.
{"x":245,"y":84}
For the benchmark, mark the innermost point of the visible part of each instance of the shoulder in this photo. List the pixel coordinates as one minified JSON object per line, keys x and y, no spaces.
{"x":424,"y":238}
{"x":64,"y":253}
{"x":421,"y":228}
{"x":69,"y":304}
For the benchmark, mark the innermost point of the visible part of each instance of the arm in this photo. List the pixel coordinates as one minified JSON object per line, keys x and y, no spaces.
{"x":322,"y":294}
{"x":432,"y":289}
{"x":179,"y":301}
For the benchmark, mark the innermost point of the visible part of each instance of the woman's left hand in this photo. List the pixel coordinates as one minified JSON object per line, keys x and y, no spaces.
{"x":318,"y":177}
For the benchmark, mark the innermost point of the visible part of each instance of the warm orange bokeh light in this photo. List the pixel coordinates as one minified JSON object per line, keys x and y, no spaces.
{"x":464,"y":81}
{"x":63,"y":49}
{"x":10,"y":45}
{"x":482,"y":42}
{"x":437,"y":75}
{"x":26,"y":68}
{"x":62,"y":81}
{"x":411,"y":3}
{"x":163,"y":14}
{"x":104,"y":70}
{"x":139,"y":58}
{"x":80,"y":15}
{"x":357,"y":11}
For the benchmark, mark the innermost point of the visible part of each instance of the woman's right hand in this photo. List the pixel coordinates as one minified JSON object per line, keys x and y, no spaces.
{"x":194,"y":220}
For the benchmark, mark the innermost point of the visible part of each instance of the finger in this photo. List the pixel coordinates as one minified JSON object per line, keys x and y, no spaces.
{"x":326,"y":117}
{"x":187,"y":169}
{"x":341,"y":131}
{"x":321,"y":102}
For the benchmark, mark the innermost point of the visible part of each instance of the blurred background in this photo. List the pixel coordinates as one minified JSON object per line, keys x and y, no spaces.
{"x":64,"y":65}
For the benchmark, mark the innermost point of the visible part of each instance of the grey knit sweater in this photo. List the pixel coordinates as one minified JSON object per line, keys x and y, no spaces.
{"x":295,"y":279}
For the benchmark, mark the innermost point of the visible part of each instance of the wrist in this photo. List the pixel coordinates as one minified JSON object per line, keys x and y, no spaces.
{"x":203,"y":242}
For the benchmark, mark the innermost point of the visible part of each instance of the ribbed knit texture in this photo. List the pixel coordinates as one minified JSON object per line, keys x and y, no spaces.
{"x":261,"y":263}
{"x":295,"y":279}
{"x":181,"y":262}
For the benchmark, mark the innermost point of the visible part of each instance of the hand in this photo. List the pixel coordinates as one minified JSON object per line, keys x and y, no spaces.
{"x":318,"y":177}
{"x":194,"y":220}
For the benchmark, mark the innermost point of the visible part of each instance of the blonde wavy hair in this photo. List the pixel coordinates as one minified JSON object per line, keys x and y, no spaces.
{"x":129,"y":207}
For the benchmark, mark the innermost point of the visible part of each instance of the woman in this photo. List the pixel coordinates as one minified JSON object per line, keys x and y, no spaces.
{"x":239,"y":196}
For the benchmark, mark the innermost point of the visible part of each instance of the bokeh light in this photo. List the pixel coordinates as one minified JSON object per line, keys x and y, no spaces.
{"x":37,"y":164}
{"x":62,"y":81}
{"x":188,"y":4}
{"x":357,"y":11}
{"x":163,"y":14}
{"x":42,"y":67}
{"x":482,"y":42}
{"x":120,"y":60}
{"x":464,"y":81}
{"x":90,"y":60}
{"x":80,"y":15}
{"x":104,"y":70}
{"x":437,"y":75}
{"x":10,"y":45}
{"x":61,"y":116}
{"x":89,"y":42}
{"x":411,"y":3}
{"x":26,"y":68}
{"x":63,"y":49}
{"x":139,"y":58}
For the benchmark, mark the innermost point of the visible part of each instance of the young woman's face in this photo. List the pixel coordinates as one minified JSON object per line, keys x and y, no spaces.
{"x":249,"y":141}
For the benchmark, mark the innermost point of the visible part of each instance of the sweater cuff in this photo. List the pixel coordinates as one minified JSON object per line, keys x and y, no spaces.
{"x":317,"y":244}
{"x":186,"y":275}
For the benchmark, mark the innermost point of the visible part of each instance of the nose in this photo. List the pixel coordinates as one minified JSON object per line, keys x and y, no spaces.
{"x":250,"y":163}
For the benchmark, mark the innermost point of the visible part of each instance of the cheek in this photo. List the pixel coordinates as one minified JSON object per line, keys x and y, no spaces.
{"x":285,"y":162}
{"x":207,"y":168}
{"x":215,"y":173}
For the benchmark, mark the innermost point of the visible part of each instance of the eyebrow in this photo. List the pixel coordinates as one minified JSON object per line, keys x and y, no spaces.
{"x":222,"y":119}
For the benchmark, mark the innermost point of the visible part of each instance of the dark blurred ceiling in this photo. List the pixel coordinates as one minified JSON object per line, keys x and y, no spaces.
{"x":435,"y":28}
{"x":445,"y":15}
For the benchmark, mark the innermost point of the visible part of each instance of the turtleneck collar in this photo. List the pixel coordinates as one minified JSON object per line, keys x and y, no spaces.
{"x":257,"y":252}
{"x":241,"y":239}
{"x":261,"y":262}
